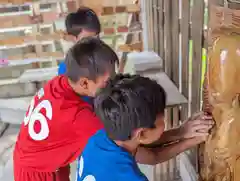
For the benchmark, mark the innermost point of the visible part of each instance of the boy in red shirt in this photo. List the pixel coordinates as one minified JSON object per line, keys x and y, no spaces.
{"x":59,"y":122}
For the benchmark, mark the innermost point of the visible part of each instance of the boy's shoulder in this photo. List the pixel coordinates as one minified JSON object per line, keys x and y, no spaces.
{"x":102,"y":159}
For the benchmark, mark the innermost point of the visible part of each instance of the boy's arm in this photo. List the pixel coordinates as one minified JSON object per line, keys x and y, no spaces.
{"x":171,"y":135}
{"x":197,"y":125}
{"x":153,"y":156}
{"x":191,"y":133}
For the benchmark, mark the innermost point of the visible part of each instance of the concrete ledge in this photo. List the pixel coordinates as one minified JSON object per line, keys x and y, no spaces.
{"x":15,"y":89}
{"x":7,"y":143}
{"x":12,"y":116}
{"x":174,"y":97}
{"x":13,"y":71}
{"x":13,"y":110}
{"x":38,"y":75}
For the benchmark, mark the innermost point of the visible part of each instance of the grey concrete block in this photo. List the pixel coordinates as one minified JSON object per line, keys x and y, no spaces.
{"x":174,"y":97}
{"x":39,"y":75}
{"x":3,"y":127}
{"x":17,"y":104}
{"x":17,"y":90}
{"x":149,"y":64}
{"x":13,"y":110}
{"x":13,"y":71}
{"x":7,"y":142}
{"x":12,"y":116}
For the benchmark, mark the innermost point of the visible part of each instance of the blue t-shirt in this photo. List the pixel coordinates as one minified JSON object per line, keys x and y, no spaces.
{"x":62,"y":68}
{"x":103,"y":160}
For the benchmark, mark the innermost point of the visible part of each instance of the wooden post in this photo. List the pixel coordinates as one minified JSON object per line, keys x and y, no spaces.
{"x":197,"y":35}
{"x":175,"y":71}
{"x":185,"y":20}
{"x":168,"y":38}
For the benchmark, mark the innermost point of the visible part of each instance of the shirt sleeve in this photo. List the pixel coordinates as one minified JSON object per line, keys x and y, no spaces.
{"x":87,"y":123}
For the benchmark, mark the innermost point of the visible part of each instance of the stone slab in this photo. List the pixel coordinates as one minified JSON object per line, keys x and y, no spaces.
{"x":13,"y":71}
{"x":7,"y":142}
{"x":38,"y":75}
{"x":3,"y":127}
{"x":20,"y":103}
{"x":12,"y":88}
{"x":174,"y":97}
{"x":13,"y":110}
{"x":149,"y":64}
{"x":12,"y":116}
{"x":138,"y":62}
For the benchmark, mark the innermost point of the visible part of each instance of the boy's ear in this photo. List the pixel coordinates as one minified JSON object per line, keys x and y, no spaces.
{"x":83,"y":82}
{"x":75,"y":39}
{"x":142,"y":136}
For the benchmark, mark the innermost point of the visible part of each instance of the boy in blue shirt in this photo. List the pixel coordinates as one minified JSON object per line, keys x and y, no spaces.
{"x":131,"y":109}
{"x":83,"y":23}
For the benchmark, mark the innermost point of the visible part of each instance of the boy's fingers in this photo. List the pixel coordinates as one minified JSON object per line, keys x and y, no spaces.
{"x":202,"y":127}
{"x":196,"y":115}
{"x":202,"y":122}
{"x":201,"y":116}
{"x":207,"y":118}
{"x":203,"y":130}
{"x":197,"y":134}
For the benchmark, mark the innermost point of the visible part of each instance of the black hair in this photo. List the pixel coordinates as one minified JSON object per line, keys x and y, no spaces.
{"x":129,"y":102}
{"x":90,"y":58}
{"x":84,"y":19}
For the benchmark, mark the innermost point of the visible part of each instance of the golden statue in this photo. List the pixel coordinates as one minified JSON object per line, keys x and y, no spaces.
{"x":222,"y":97}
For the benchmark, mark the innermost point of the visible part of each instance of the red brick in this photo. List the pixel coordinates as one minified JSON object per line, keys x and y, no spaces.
{"x":109,"y":31}
{"x":122,"y":29}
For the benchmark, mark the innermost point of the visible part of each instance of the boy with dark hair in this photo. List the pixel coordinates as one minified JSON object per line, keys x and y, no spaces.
{"x":131,"y":109}
{"x":82,"y":23}
{"x":59,"y":122}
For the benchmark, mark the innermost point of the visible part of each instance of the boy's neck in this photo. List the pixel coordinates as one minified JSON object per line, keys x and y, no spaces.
{"x":129,"y":145}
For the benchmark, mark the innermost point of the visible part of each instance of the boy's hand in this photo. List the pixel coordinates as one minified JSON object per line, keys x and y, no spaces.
{"x":198,"y":125}
{"x":199,"y":139}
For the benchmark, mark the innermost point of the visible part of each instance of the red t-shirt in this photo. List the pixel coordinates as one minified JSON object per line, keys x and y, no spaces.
{"x":54,"y":132}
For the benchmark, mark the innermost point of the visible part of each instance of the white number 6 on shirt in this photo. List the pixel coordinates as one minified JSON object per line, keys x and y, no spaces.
{"x":34,"y":115}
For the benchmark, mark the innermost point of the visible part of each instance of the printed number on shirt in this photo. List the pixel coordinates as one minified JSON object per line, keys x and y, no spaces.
{"x":80,"y":172}
{"x":34,"y":115}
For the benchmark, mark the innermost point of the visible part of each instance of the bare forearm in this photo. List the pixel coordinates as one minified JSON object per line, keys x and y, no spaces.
{"x":169,"y":136}
{"x":152,"y":156}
